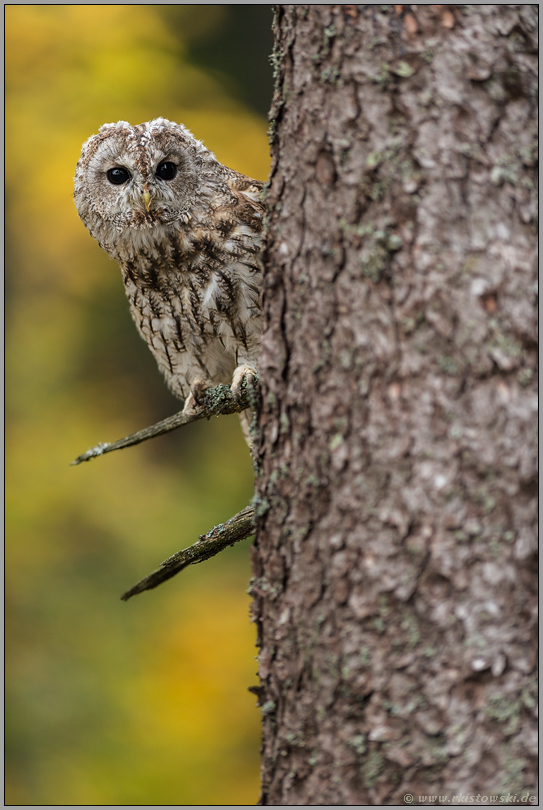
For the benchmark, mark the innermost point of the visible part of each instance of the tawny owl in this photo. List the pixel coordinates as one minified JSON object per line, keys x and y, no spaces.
{"x":186,"y":232}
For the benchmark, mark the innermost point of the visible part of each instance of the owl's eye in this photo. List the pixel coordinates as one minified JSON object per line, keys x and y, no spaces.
{"x":118,"y":176}
{"x":166,"y":170}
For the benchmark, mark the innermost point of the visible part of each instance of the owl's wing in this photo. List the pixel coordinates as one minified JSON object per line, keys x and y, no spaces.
{"x":247,"y":193}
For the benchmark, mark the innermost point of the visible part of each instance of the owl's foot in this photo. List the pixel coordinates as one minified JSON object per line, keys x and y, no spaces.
{"x":240,"y":374}
{"x":193,"y":403}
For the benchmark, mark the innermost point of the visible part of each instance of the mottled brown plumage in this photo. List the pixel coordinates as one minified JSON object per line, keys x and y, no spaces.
{"x":186,"y":232}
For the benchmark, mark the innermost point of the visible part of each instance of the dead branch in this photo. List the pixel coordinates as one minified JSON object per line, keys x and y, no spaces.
{"x":215,"y":401}
{"x":217,"y":539}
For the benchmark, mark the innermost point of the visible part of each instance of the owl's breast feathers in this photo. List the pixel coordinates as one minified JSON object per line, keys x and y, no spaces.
{"x":194,"y":288}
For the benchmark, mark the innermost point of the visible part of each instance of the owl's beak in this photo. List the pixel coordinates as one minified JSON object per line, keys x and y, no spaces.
{"x":146,"y":197}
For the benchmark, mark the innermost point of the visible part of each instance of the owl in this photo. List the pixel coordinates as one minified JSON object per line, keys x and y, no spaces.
{"x":187,"y":234}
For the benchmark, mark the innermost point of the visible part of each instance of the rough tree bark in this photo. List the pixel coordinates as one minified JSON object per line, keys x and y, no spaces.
{"x":394,"y":583}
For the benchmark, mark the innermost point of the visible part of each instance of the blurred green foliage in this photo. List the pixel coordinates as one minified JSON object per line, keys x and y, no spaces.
{"x":109,"y":702}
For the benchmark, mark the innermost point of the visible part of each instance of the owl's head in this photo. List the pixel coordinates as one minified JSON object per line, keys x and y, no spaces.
{"x":137,"y":177}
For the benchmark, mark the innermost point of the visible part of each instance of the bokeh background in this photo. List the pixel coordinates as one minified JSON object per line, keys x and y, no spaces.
{"x":108,"y":702}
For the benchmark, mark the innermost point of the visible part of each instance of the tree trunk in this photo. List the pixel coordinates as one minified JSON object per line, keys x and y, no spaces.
{"x":394,"y":582}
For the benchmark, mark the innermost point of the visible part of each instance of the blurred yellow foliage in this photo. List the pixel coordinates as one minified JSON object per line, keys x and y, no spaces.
{"x":107,"y":702}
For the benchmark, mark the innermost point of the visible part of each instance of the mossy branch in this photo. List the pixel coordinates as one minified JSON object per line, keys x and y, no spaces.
{"x":217,"y":539}
{"x":215,"y":401}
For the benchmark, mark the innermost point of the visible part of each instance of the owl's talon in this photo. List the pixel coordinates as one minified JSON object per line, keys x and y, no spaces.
{"x":198,"y":389}
{"x":193,"y":403}
{"x":191,"y":408}
{"x":242,"y":373}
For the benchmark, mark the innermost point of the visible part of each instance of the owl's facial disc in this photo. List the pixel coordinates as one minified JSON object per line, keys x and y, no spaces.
{"x":144,"y":183}
{"x":138,"y":177}
{"x":119,"y":176}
